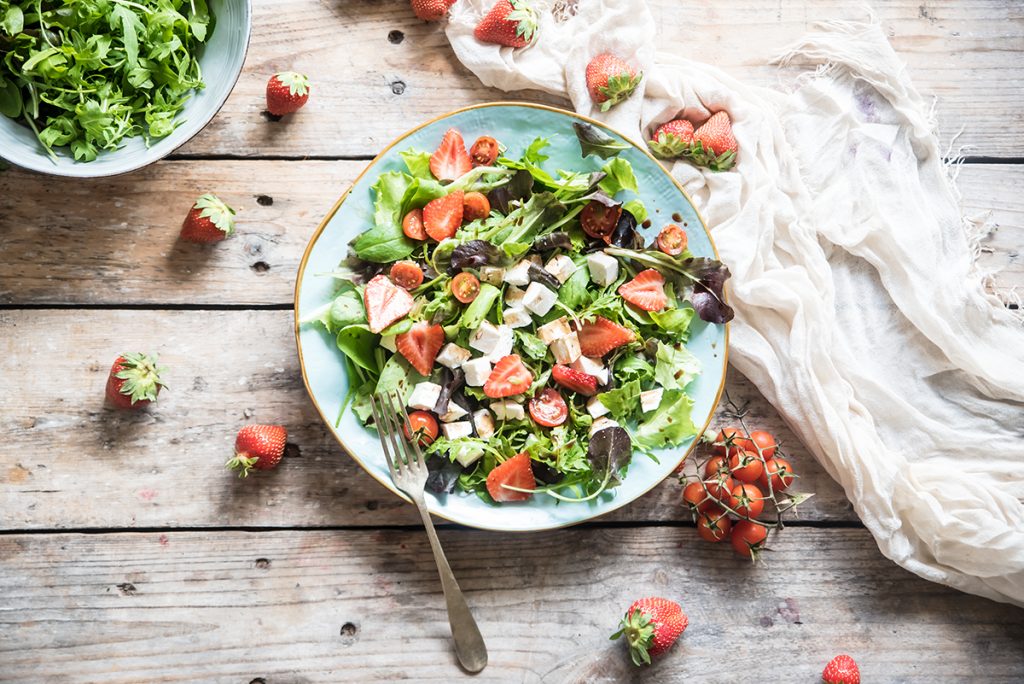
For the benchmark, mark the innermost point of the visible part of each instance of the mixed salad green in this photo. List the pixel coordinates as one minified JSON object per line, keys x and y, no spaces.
{"x":537,"y":340}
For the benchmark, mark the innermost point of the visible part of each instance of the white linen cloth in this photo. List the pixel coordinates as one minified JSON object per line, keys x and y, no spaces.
{"x":859,"y":311}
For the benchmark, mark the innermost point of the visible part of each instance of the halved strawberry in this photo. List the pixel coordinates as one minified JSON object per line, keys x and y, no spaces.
{"x":601,"y":336}
{"x":385,"y":302}
{"x":443,"y":216}
{"x":420,"y":345}
{"x":509,"y":377}
{"x":574,"y":380}
{"x":646,"y":291}
{"x":450,"y":160}
{"x":516,"y":472}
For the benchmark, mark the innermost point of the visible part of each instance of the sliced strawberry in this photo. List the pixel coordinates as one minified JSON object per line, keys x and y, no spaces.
{"x":515,"y":472}
{"x":601,"y":336}
{"x":646,"y":291}
{"x":450,"y":160}
{"x":443,"y":216}
{"x":572,"y":379}
{"x":385,"y":302}
{"x":509,"y":377}
{"x":420,"y":345}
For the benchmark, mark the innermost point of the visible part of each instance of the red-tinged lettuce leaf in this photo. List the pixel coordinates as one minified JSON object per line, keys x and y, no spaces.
{"x":473,"y":254}
{"x":609,"y":452}
{"x":593,"y":141}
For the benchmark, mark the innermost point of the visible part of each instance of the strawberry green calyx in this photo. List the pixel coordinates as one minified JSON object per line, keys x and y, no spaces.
{"x":219,"y":213}
{"x":525,"y":18}
{"x":705,"y":156}
{"x":141,"y":376}
{"x":669,"y":146}
{"x":242,"y":463}
{"x":638,"y":629}
{"x":619,"y":88}
{"x":298,"y":84}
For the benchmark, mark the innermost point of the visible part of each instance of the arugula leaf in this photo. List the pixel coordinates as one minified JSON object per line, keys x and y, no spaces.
{"x":199,"y":22}
{"x":619,"y":176}
{"x":531,"y":344}
{"x":593,"y":141}
{"x":623,"y":400}
{"x":534,"y":152}
{"x":675,"y":367}
{"x":670,"y":424}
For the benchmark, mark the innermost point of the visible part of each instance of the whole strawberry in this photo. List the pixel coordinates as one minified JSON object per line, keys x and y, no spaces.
{"x":510,"y":22}
{"x":672,"y":139}
{"x":258,"y":446}
{"x":651,"y":626}
{"x":714,"y":145}
{"x":841,"y":670}
{"x":209,"y":220}
{"x":286,"y":93}
{"x":134,"y":381}
{"x":431,"y":10}
{"x":610,"y":80}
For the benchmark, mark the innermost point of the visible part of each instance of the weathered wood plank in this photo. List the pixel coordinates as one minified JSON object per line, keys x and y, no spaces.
{"x":369,"y":85}
{"x":67,"y":462}
{"x":114,"y":241}
{"x":330,"y":606}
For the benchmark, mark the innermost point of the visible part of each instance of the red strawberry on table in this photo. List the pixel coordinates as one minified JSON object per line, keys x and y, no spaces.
{"x":209,"y":220}
{"x":134,"y":381}
{"x":646,"y":291}
{"x":385,"y":302}
{"x":450,"y":160}
{"x":651,"y":626}
{"x":509,"y":376}
{"x":420,"y":345}
{"x":610,"y":80}
{"x":599,"y":337}
{"x":714,"y":145}
{"x":516,"y":472}
{"x":258,"y":446}
{"x":672,"y":139}
{"x":574,"y":380}
{"x":443,"y":216}
{"x":286,"y":93}
{"x":431,"y":10}
{"x":841,"y":670}
{"x":512,"y":23}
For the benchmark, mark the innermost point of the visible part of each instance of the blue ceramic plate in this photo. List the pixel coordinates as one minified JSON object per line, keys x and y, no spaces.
{"x":516,"y":126}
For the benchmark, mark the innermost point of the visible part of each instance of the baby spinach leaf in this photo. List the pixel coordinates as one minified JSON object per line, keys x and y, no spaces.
{"x":399,"y":377}
{"x":385,"y":241}
{"x":360,"y":345}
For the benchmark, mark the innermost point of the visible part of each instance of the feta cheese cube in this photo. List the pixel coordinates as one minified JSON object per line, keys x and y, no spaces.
{"x":508,"y":410}
{"x":483,"y":421}
{"x":651,"y":399}
{"x":467,"y":455}
{"x":539,"y":299}
{"x":518,"y":274}
{"x":477,"y":371}
{"x":514,"y":296}
{"x":506,"y":340}
{"x":566,"y":349}
{"x":424,"y":396}
{"x":457,"y":430}
{"x":517,"y":317}
{"x":452,"y":356}
{"x":388,"y":342}
{"x":454,"y":413}
{"x":595,"y":408}
{"x":493,"y":275}
{"x":485,"y":338}
{"x":549,"y":332}
{"x":561,"y":267}
{"x":604,"y":268}
{"x":592,"y":366}
{"x":600,"y":424}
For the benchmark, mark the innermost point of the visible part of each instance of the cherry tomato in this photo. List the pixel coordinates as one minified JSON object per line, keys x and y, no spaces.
{"x":475,"y":205}
{"x":746,"y":500}
{"x":424,"y":425}
{"x":781,"y":473}
{"x":746,"y":466}
{"x":713,"y":525}
{"x":598,"y":221}
{"x":725,"y":441}
{"x":407,"y":274}
{"x":694,"y":494}
{"x":716,"y":466}
{"x":484,"y":151}
{"x":672,"y":240}
{"x":412,"y":225}
{"x":548,"y":408}
{"x":748,"y":538}
{"x":759,"y":439}
{"x":465,"y":287}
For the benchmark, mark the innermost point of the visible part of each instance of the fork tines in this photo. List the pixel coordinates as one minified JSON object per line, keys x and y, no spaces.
{"x":403,"y":453}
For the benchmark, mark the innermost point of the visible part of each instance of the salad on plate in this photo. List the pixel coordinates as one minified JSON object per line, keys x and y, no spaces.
{"x":534,"y":334}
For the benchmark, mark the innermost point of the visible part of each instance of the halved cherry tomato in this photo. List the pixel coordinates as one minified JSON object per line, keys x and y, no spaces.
{"x":759,"y":439}
{"x":465,"y":287}
{"x":424,"y":425}
{"x":484,"y":151}
{"x":407,"y":274}
{"x":781,"y":473}
{"x":748,"y":538}
{"x":746,"y":500}
{"x":548,"y":408}
{"x":475,"y":205}
{"x":713,"y":525}
{"x":412,"y":225}
{"x":672,"y":240}
{"x":746,"y":466}
{"x":598,"y":221}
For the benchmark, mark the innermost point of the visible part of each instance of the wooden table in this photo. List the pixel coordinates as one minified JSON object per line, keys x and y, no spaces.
{"x":127,"y":552}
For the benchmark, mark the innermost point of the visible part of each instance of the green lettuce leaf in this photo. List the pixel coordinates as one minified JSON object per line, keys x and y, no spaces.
{"x":675,"y":367}
{"x":619,"y":177}
{"x":623,"y":400}
{"x":670,"y":424}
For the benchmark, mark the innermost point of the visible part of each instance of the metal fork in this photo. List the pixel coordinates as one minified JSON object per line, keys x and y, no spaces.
{"x":409,"y":473}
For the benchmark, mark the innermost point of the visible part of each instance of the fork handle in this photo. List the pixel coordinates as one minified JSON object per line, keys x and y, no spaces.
{"x":469,"y":643}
